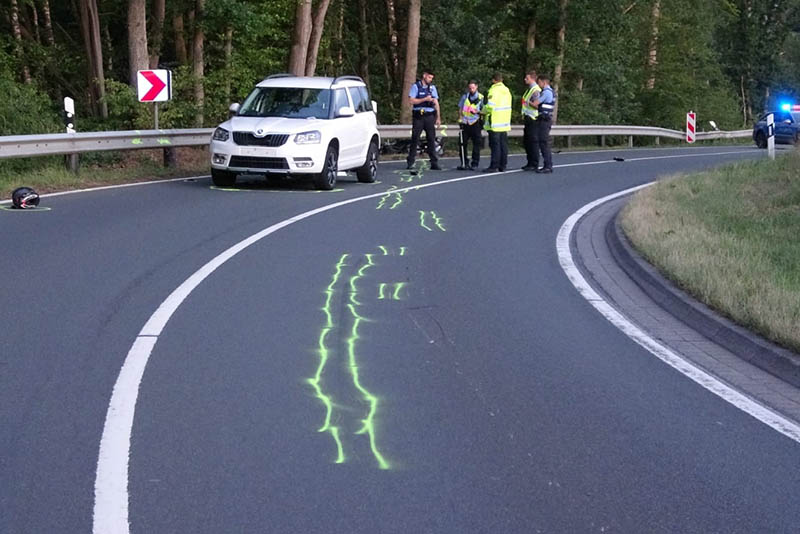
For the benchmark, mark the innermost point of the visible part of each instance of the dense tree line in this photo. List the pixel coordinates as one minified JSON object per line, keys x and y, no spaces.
{"x":613,"y":62}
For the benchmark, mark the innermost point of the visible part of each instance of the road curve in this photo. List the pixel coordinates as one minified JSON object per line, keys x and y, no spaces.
{"x":411,"y":362}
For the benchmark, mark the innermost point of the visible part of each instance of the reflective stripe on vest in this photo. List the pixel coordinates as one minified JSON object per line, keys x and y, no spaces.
{"x":527,"y":108}
{"x":469,"y":111}
{"x":547,"y":109}
{"x":424,"y":92}
{"x":498,"y":108}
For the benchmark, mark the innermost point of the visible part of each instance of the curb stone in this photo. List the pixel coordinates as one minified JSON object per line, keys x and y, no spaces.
{"x":764,"y":354}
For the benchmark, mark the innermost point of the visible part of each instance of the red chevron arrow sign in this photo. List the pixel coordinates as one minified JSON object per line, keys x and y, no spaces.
{"x":154,"y":85}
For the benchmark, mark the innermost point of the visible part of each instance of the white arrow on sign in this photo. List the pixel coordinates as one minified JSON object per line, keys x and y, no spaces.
{"x":154,"y":85}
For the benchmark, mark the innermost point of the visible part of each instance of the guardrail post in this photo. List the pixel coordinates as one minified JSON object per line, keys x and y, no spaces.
{"x":170,"y":158}
{"x":602,"y":140}
{"x":630,"y":141}
{"x":569,"y":141}
{"x":658,"y":141}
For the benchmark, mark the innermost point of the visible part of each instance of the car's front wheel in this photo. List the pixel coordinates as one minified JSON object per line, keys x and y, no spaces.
{"x":326,"y":180}
{"x":223,"y":178}
{"x":369,"y":171}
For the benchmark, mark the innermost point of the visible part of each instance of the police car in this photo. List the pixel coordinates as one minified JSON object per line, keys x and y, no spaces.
{"x":787,"y":126}
{"x":299,"y":126}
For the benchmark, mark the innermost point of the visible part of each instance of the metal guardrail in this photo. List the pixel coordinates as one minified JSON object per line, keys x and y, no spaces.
{"x":20,"y":146}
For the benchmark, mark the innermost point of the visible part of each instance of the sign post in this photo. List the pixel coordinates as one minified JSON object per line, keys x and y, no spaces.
{"x":690,"y":126}
{"x":771,"y":135}
{"x":156,"y":86}
{"x":71,"y":160}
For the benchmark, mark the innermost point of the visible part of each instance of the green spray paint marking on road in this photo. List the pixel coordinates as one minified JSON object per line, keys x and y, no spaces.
{"x":397,"y":287}
{"x":324,"y":355}
{"x":354,"y":279}
{"x":422,"y":221}
{"x":398,"y":199}
{"x":368,"y":423}
{"x":437,"y":221}
{"x":381,"y":287}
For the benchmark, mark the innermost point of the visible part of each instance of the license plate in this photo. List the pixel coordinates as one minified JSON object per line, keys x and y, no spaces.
{"x":263,"y":152}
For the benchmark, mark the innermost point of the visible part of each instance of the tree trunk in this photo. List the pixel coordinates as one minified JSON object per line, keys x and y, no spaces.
{"x":137,"y":38}
{"x":652,"y":57}
{"x":561,"y":43}
{"x":394,"y":56}
{"x":530,"y":44}
{"x":180,"y":39}
{"x":109,"y":53}
{"x":316,"y":37}
{"x":412,"y":49}
{"x":197,"y":62}
{"x":228,"y":56}
{"x":363,"y":54}
{"x":302,"y":34}
{"x":35,"y":17}
{"x":26,"y":73}
{"x":90,"y":28}
{"x":159,"y":11}
{"x":48,"y":23}
{"x":339,"y":39}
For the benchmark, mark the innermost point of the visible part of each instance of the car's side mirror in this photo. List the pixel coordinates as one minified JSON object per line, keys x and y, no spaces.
{"x":375,"y":107}
{"x":345,"y":111}
{"x":234,"y":109}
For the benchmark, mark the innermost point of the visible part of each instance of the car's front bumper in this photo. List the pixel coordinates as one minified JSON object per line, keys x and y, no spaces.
{"x":289,"y":158}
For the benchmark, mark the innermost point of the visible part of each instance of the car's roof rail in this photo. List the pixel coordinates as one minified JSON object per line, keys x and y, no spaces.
{"x":349,"y":77}
{"x":279,"y":75}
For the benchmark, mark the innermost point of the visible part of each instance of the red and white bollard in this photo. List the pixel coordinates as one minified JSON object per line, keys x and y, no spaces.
{"x":690,"y":126}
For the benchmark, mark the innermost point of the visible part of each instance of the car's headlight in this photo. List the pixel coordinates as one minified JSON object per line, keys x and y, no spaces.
{"x":308,"y":138}
{"x":221,"y":134}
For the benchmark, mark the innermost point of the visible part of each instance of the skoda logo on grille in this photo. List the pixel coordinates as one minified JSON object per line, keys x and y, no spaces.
{"x":260,"y":133}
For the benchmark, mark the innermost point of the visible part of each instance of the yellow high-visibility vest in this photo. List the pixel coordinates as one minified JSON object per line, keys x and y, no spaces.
{"x":498,"y":108}
{"x":527,"y":109}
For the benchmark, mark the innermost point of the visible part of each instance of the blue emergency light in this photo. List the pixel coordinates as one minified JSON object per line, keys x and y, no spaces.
{"x":786,"y":106}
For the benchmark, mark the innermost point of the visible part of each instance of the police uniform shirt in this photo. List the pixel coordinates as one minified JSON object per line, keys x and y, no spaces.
{"x":434,"y":93}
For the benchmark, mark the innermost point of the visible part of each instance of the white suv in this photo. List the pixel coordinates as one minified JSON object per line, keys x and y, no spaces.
{"x":299,"y":126}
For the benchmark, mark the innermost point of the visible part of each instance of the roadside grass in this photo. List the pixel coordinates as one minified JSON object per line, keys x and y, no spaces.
{"x":49,"y":175}
{"x":731,"y":238}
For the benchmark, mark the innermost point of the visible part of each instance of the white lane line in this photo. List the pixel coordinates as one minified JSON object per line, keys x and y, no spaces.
{"x":110,"y":514}
{"x":785,"y":426}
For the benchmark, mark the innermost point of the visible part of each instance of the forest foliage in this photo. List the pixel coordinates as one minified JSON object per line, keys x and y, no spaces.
{"x":642,"y":62}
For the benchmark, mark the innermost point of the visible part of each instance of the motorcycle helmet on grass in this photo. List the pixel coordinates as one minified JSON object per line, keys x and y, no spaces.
{"x":24,"y":198}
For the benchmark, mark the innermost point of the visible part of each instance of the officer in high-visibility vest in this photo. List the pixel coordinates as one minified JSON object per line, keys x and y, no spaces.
{"x":546,"y":104}
{"x":469,"y":120}
{"x":497,"y":113}
{"x":425,"y":112}
{"x":529,"y":115}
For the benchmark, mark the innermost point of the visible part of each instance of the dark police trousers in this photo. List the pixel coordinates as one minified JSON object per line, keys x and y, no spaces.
{"x":498,"y":142}
{"x":471,"y":132}
{"x":423,"y":121}
{"x":543,"y":124}
{"x":530,"y":140}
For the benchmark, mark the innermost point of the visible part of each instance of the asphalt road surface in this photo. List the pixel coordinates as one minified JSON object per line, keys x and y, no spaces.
{"x":411,"y":362}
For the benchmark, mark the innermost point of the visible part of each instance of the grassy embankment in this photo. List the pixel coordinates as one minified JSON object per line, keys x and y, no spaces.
{"x":103,"y":168}
{"x":731,"y":238}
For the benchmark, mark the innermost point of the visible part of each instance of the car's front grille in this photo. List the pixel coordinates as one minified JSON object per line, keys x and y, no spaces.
{"x":248,"y":139}
{"x":252,"y":162}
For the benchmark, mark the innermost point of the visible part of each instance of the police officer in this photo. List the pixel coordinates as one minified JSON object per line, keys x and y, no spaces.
{"x":425,"y":111}
{"x":497,"y":112}
{"x":546,"y":104}
{"x":529,"y":115}
{"x":470,"y":122}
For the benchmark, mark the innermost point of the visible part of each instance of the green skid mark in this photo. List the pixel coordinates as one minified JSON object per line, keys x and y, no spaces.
{"x":368,"y":423}
{"x":324,"y":355}
{"x":422,"y":221}
{"x":397,"y":288}
{"x":437,"y":221}
{"x":25,"y":210}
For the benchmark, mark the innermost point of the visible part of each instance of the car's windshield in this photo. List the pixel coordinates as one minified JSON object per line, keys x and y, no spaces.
{"x":289,"y":102}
